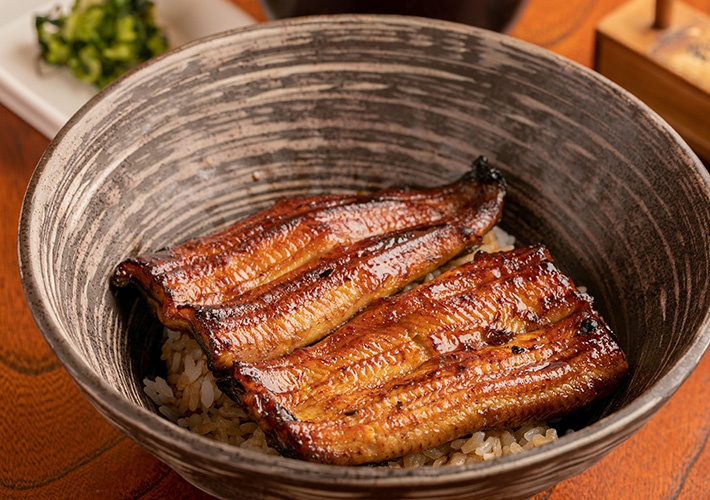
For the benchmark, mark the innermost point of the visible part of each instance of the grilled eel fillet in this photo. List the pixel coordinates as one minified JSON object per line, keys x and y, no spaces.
{"x":218,"y":268}
{"x":302,"y":275}
{"x":495,"y":343}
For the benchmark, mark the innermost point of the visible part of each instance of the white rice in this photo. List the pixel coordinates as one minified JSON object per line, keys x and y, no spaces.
{"x":190,"y":398}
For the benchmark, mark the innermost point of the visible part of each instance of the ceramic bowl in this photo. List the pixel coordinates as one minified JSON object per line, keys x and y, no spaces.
{"x":497,"y":15}
{"x":219,"y":128}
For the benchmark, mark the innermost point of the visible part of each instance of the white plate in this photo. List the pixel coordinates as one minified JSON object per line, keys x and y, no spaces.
{"x":48,"y":99}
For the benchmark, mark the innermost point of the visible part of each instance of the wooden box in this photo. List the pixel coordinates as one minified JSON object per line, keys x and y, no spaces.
{"x":668,"y":69}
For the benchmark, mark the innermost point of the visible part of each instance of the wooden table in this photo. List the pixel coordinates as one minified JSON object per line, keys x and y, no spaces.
{"x":55,"y":445}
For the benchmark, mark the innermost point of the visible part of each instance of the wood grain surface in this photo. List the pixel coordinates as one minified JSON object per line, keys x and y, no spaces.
{"x":55,"y":445}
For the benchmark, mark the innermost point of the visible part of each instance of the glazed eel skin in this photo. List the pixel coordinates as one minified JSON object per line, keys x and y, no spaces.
{"x":284,"y":277}
{"x":495,"y":343}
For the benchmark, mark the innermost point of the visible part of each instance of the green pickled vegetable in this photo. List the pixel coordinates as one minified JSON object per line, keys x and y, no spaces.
{"x":100,"y":39}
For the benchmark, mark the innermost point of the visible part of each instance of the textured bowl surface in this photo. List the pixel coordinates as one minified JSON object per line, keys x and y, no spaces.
{"x":217,"y":129}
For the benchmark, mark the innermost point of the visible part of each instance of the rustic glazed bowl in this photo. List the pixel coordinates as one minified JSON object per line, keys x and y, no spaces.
{"x":222,"y":127}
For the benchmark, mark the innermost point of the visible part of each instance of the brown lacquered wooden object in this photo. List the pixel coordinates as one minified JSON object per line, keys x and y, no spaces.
{"x":664,"y":14}
{"x":55,"y":445}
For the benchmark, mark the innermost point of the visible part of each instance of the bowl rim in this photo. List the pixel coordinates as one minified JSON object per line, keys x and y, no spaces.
{"x":633,"y":415}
